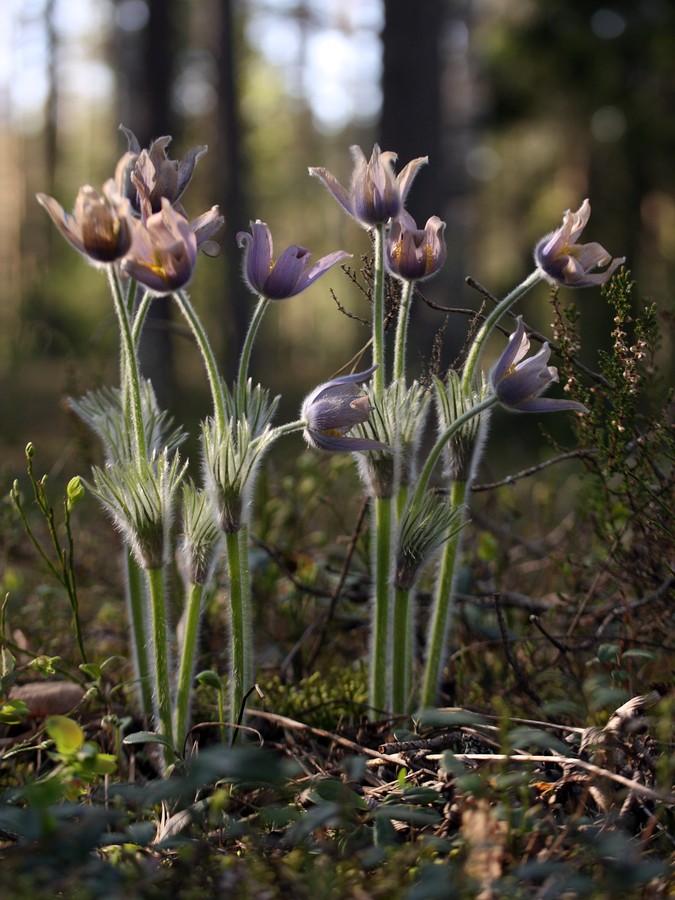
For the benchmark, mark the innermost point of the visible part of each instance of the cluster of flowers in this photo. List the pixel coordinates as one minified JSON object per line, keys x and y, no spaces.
{"x":137,"y":230}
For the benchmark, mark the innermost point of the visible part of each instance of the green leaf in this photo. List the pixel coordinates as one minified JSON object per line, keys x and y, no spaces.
{"x":148,"y":737}
{"x":608,"y":653}
{"x":103,"y":764}
{"x":210,"y":679}
{"x":12,"y":712}
{"x":338,"y":792}
{"x":66,"y":734}
{"x":638,"y":653}
{"x":7,"y":662}
{"x":91,"y":669}
{"x":402,"y":813}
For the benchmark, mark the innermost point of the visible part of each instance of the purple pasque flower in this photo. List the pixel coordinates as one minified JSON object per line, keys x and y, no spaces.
{"x":562,"y":261}
{"x":332,"y":409}
{"x":287,"y":276}
{"x":375,"y":194}
{"x":100,"y":226}
{"x":159,"y":176}
{"x":518,"y":382}
{"x":412,"y":253}
{"x":163,"y":252}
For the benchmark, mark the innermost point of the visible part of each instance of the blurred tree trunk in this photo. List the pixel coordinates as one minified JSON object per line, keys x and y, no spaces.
{"x":146,"y":69}
{"x":229,"y":176}
{"x":411,"y":121}
{"x":426,"y":112}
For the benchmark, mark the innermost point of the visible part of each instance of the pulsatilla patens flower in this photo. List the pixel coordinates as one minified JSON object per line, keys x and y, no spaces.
{"x":519,"y":382}
{"x":375,"y":194}
{"x":287,"y":276}
{"x":163,"y":251}
{"x":158,"y":175}
{"x":413,"y":253}
{"x":332,"y":409}
{"x":563,"y":261}
{"x":100,"y":227}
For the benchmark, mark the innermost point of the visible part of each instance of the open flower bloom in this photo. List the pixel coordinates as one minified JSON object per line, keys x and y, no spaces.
{"x":413,"y":253}
{"x":376,"y":194}
{"x":160,"y":176}
{"x":163,"y":252}
{"x":563,"y":261}
{"x":332,"y":409}
{"x":519,"y":382}
{"x":100,"y":226}
{"x":287,"y":276}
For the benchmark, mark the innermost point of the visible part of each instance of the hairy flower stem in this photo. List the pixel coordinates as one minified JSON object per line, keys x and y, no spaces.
{"x":442,"y":604}
{"x":402,"y":331}
{"x":187,"y":658}
{"x":139,"y":637}
{"x":140,"y":316}
{"x":490,"y":322}
{"x":215,"y":382}
{"x":401,"y":663}
{"x":437,"y":449}
{"x":241,"y":638}
{"x":378,"y":312}
{"x":245,"y":358}
{"x":382,"y":563}
{"x":161,"y":655}
{"x":131,"y":385}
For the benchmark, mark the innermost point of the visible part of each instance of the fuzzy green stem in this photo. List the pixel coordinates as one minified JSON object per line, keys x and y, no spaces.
{"x":490,"y":322}
{"x":161,"y":655}
{"x":382,"y":562}
{"x":402,"y":331}
{"x":240,"y":620}
{"x":139,"y":637}
{"x":442,"y":605}
{"x":288,"y":428}
{"x":437,"y":449}
{"x":245,"y":358}
{"x":215,"y":382}
{"x":378,"y":313}
{"x":187,"y":658}
{"x":401,"y":655}
{"x":140,"y":316}
{"x":131,"y":384}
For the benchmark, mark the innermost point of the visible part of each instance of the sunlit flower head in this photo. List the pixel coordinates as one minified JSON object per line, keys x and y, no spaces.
{"x":413,"y":253}
{"x":375,"y":194}
{"x":286,"y":277}
{"x":164,"y":251}
{"x":149,"y":175}
{"x":332,"y":409}
{"x":519,"y":382}
{"x":562,"y":261}
{"x":100,"y":226}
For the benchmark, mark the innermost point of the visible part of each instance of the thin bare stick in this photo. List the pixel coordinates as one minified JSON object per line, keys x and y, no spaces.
{"x":566,"y":761}
{"x":286,"y":722}
{"x":532,"y":470}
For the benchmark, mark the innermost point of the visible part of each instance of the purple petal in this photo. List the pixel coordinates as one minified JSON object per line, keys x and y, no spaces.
{"x":337,"y":444}
{"x":206,"y":225}
{"x":283,"y":281}
{"x":340,"y":193}
{"x":407,"y":175}
{"x":63,"y":221}
{"x":257,"y":254}
{"x":322,"y":389}
{"x":187,"y":167}
{"x":322,"y":265}
{"x":132,"y":140}
{"x":548,"y":404}
{"x":514,"y":351}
